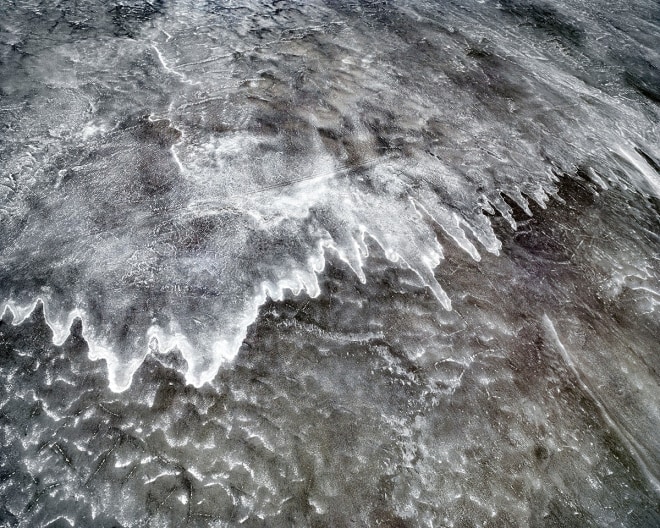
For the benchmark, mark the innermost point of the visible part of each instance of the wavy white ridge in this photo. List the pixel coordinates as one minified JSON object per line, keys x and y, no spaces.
{"x":164,"y":187}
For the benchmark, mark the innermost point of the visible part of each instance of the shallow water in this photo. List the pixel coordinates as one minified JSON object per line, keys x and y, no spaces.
{"x":330,"y":264}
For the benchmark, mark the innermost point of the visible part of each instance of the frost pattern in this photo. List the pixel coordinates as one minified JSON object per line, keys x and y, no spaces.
{"x":166,"y":178}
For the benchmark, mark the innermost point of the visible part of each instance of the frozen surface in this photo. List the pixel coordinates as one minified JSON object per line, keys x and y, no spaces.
{"x":329,"y":263}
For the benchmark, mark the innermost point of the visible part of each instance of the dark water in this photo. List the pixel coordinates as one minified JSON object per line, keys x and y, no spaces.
{"x":329,"y":264}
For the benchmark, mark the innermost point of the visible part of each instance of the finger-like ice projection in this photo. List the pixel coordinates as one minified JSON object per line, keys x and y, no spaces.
{"x":163,"y":186}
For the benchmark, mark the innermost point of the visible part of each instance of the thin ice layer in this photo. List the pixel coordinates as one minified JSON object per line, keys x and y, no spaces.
{"x":167,"y":177}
